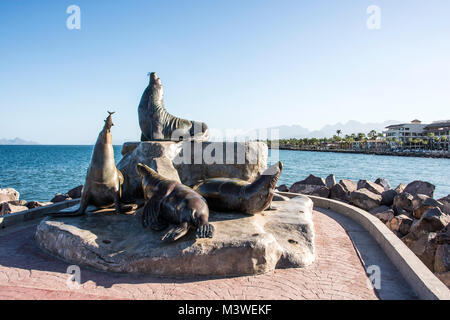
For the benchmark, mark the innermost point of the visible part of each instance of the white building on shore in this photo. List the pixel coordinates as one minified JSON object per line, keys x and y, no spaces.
{"x":404,"y":131}
{"x":434,"y":136}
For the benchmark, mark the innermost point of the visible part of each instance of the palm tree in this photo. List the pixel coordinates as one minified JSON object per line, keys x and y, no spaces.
{"x":437,"y":140}
{"x":410,"y":140}
{"x":372,"y":134}
{"x":430,"y":137}
{"x":338,"y":132}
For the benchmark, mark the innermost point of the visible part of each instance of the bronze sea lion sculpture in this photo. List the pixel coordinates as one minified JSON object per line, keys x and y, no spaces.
{"x":103,"y":186}
{"x":227,"y":194}
{"x":157,"y":124}
{"x":169,"y":201}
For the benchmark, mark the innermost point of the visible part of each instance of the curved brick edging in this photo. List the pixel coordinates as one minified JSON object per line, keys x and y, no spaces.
{"x":26,"y":215}
{"x":419,"y":277}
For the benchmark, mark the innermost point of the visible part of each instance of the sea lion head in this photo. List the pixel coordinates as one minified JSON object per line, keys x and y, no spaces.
{"x":274,"y":171}
{"x":156,"y":89}
{"x":148,"y":179}
{"x":108,"y":122}
{"x":199,"y":209}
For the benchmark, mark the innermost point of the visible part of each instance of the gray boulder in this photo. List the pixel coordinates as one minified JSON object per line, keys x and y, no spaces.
{"x":383,"y":213}
{"x":330,"y":181}
{"x":283,"y":188}
{"x":75,"y":193}
{"x":384,"y":183}
{"x":403,"y":201}
{"x":21,"y":203}
{"x":400,"y":224}
{"x":445,"y":204}
{"x":420,"y":187}
{"x":313,"y":180}
{"x":338,"y":192}
{"x":365,"y":199}
{"x":442,"y":258}
{"x":443,"y":237}
{"x":371,"y":186}
{"x":8,"y":208}
{"x":341,"y":191}
{"x":387,"y":197}
{"x":312,"y":185}
{"x":309,"y":189}
{"x":421,"y":203}
{"x":400,"y":188}
{"x":349,"y":185}
{"x":432,"y":220}
{"x":8,"y":194}
{"x":424,"y":247}
{"x":60,"y":198}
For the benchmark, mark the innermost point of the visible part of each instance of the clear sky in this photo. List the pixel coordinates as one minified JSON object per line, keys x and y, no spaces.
{"x":232,"y":64}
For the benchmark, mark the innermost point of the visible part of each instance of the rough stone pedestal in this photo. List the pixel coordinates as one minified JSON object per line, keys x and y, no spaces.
{"x":191,"y":161}
{"x":242,"y":245}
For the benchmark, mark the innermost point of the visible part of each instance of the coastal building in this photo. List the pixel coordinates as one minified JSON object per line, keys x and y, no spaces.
{"x":420,"y":136}
{"x":439,"y":131}
{"x":405,"y":131}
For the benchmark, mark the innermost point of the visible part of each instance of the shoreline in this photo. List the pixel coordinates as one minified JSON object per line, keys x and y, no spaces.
{"x":378,"y":153}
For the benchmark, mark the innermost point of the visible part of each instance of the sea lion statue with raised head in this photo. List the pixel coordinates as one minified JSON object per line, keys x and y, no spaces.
{"x":157,"y":124}
{"x":229,"y":194}
{"x":103,"y":186}
{"x":168,"y":201}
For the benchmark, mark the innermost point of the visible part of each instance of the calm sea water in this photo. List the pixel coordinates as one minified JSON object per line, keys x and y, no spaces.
{"x":39,"y":172}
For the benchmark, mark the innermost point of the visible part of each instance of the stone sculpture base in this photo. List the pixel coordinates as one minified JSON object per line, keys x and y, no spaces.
{"x":243,"y":245}
{"x":190,"y":162}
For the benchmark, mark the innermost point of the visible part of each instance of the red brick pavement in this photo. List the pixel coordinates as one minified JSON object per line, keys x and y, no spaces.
{"x":28,"y":273}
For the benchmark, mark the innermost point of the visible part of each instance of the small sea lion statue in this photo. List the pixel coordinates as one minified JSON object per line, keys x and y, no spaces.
{"x":103,"y":186}
{"x":168,"y":201}
{"x":229,"y":194}
{"x":157,"y":124}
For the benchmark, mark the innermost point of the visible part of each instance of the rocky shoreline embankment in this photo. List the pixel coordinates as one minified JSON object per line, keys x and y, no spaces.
{"x":378,"y":153}
{"x":10,"y":202}
{"x":409,"y":211}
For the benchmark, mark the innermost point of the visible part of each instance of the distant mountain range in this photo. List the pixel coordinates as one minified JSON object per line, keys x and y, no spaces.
{"x":297,"y":131}
{"x":16,"y":141}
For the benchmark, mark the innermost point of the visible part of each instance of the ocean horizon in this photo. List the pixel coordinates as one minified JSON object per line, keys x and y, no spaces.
{"x":38,"y":172}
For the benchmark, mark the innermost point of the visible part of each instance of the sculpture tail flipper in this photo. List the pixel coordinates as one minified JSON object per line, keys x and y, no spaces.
{"x":176,"y":233}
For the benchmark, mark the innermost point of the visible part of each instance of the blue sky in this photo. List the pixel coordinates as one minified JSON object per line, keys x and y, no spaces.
{"x":233,"y":64}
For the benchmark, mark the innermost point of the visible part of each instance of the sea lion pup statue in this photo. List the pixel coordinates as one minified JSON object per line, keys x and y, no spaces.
{"x":227,"y":194}
{"x":168,"y":201}
{"x":157,"y":124}
{"x":103,"y":186}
